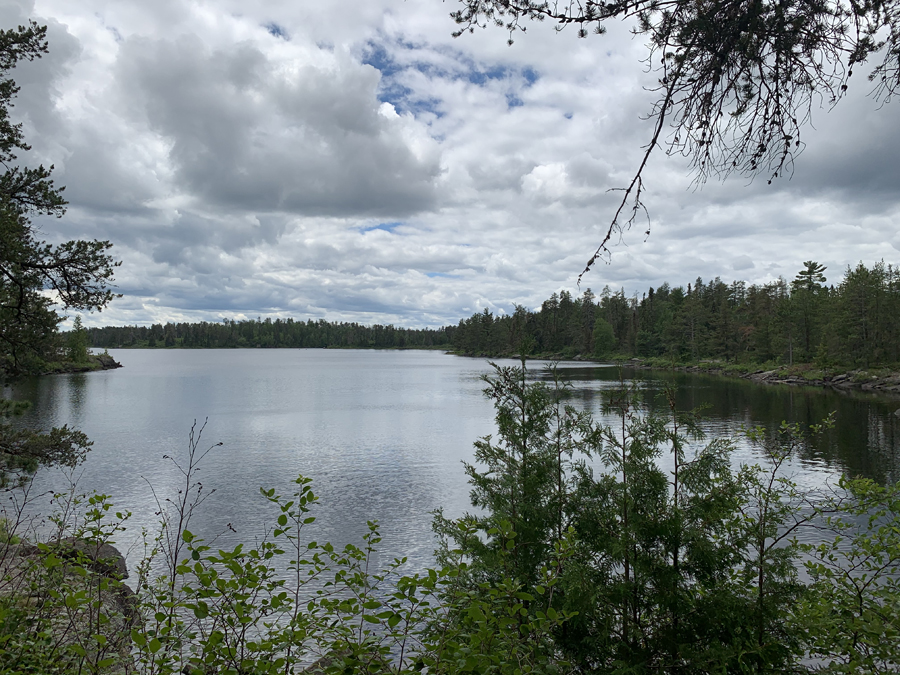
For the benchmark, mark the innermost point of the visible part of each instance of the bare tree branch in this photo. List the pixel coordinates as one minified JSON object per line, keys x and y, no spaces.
{"x":738,"y":78}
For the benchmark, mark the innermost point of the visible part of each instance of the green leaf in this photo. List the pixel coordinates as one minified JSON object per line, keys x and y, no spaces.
{"x":138,"y":638}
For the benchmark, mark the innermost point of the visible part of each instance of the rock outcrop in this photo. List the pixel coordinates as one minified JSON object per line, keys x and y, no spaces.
{"x":95,"y":362}
{"x":73,"y":590}
{"x":854,"y":379}
{"x":106,"y":361}
{"x":862,"y":380}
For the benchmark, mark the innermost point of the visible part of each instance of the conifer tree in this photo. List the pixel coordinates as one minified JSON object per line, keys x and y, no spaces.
{"x":78,"y":272}
{"x":688,"y":570}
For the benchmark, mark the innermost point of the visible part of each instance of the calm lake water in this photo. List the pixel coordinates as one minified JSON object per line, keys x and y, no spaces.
{"x":382,"y":434}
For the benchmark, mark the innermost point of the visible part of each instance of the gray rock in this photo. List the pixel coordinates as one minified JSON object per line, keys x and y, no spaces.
{"x":23,"y":575}
{"x":107,"y":361}
{"x":104,"y":558}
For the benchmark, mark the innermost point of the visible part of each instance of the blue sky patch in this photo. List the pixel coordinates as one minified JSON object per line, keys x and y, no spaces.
{"x":387,"y":227}
{"x":482,"y":77}
{"x":441,"y":275}
{"x":276,"y":30}
{"x":513,"y":101}
{"x":392,"y":91}
{"x":377,"y":57}
{"x":389,"y":90}
{"x":425,"y":105}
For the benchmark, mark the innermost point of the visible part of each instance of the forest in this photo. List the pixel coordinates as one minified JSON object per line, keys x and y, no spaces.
{"x":269,"y":333}
{"x":855,"y":322}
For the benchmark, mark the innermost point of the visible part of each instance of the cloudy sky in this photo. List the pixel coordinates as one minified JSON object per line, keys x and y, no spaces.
{"x":353,"y":161}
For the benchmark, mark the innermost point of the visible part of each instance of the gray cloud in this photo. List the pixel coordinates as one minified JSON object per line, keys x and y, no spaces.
{"x":744,"y":262}
{"x":245,"y":134}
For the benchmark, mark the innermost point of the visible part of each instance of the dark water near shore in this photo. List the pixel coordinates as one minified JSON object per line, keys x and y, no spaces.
{"x":382,"y":434}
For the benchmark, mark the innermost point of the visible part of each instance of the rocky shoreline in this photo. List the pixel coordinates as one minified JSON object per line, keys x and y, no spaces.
{"x":806,"y":375}
{"x":852,"y":380}
{"x":73,"y":588}
{"x":95,"y":362}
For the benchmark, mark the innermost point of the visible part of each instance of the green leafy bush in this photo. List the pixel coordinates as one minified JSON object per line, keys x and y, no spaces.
{"x":691,"y":569}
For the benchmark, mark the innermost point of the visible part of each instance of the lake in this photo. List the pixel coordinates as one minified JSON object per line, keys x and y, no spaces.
{"x":383,"y":434}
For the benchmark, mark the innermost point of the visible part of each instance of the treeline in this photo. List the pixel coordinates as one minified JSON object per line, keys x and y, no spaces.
{"x":269,"y":333}
{"x":855,"y":322}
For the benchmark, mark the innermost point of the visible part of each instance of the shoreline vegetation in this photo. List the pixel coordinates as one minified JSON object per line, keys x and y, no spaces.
{"x":93,"y":362}
{"x":268,"y":333}
{"x":880,"y":380}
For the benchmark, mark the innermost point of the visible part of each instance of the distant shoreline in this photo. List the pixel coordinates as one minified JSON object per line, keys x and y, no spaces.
{"x":876,"y":379}
{"x":431,"y":348}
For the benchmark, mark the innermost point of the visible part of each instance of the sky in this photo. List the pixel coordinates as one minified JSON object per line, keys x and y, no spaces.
{"x":352,"y":161}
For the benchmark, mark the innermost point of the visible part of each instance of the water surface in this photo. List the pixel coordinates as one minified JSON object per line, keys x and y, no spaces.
{"x":382,"y":433}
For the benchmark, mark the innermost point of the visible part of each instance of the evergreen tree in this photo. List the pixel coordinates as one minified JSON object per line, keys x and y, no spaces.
{"x":603,"y":337}
{"x":78,"y":272}
{"x":807,"y":292}
{"x":681,"y":571}
{"x":811,"y":277}
{"x":862,"y":301}
{"x":77,"y":341}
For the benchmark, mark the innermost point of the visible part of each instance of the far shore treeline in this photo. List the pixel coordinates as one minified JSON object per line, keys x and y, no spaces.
{"x":855,"y":322}
{"x":269,"y":333}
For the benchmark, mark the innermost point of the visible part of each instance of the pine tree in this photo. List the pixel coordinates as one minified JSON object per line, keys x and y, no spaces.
{"x":681,"y":571}
{"x":79,"y":272}
{"x":77,"y":341}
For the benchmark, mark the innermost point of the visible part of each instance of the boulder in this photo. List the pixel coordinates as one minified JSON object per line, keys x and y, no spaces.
{"x":107,"y":362}
{"x":99,"y":597}
{"x":104,"y":558}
